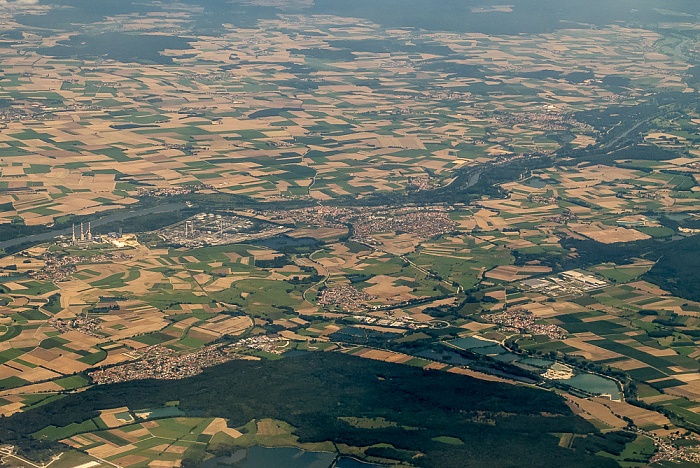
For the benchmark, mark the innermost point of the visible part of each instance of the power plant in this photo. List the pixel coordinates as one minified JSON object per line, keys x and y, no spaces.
{"x":84,"y":235}
{"x":218,"y":229}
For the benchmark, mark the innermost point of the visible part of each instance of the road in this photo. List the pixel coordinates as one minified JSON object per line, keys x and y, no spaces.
{"x":322,"y":271}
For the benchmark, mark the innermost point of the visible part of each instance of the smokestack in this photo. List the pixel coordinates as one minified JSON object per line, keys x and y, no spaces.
{"x":82,"y":232}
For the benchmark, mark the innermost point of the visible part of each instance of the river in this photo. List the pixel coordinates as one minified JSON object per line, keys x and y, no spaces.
{"x":120,"y":215}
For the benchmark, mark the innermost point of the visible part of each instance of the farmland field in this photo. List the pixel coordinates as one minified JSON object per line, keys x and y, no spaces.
{"x":292,"y":202}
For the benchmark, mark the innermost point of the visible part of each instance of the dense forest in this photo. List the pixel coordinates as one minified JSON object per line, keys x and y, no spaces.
{"x":498,"y":424}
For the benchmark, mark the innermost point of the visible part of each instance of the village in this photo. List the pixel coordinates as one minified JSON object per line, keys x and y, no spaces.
{"x":523,"y":321}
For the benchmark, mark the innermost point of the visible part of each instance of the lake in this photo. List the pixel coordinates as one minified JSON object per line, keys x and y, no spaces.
{"x":592,"y":383}
{"x":287,"y":457}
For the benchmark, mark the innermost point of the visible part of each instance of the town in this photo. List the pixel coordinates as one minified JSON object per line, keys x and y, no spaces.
{"x":159,"y":362}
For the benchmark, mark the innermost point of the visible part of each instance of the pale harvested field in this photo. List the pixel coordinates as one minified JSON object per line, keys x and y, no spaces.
{"x":318,"y":233}
{"x":115,"y":357}
{"x":202,"y":334}
{"x":164,"y":463}
{"x":398,"y":244}
{"x":589,"y":351}
{"x":220,"y":284}
{"x":515,"y":273}
{"x":130,"y":460}
{"x":381,"y":329}
{"x":386,"y":356}
{"x":658,"y":399}
{"x":290,"y":335}
{"x":109,"y":418}
{"x":145,"y":321}
{"x":80,"y":341}
{"x":686,"y":377}
{"x":67,"y":365}
{"x":498,"y":295}
{"x":109,"y":450}
{"x":540,"y":310}
{"x":691,"y":391}
{"x":640,"y":416}
{"x":179,"y":449}
{"x":479,"y":375}
{"x":11,"y":408}
{"x":629,"y":364}
{"x":264,"y":254}
{"x":657,"y":352}
{"x":590,"y":409}
{"x":144,"y":283}
{"x":598,"y":318}
{"x":269,"y":427}
{"x":608,"y":235}
{"x":34,"y":388}
{"x":384,"y":287}
{"x":565,"y":307}
{"x":476,"y":326}
{"x":229,"y":326}
{"x":220,"y":425}
{"x":582,"y":141}
{"x":649,"y":288}
{"x":436,"y":366}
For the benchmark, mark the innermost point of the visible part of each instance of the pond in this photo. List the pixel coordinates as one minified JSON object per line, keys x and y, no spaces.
{"x":287,"y":457}
{"x":536,"y":182}
{"x":536,"y":362}
{"x":471,"y":342}
{"x":493,"y":350}
{"x":272,"y":457}
{"x":590,"y":383}
{"x":447,"y":356}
